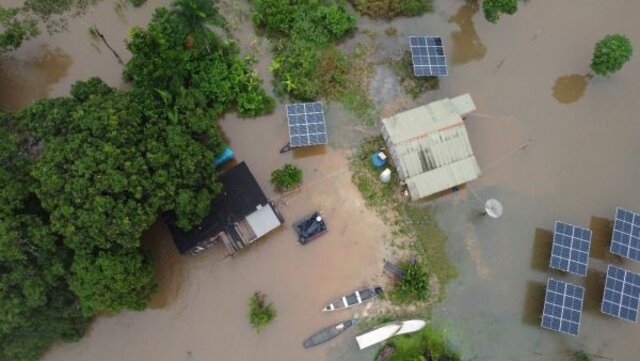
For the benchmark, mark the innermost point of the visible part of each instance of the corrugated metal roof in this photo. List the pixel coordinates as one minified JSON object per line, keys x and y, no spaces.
{"x":430,"y":144}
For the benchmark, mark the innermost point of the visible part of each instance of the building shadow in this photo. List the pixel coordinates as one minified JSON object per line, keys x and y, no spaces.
{"x":541,"y":253}
{"x":594,"y":289}
{"x":601,"y":229}
{"x":533,"y":303}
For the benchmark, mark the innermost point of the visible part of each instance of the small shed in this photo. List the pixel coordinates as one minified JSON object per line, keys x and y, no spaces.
{"x":430,"y":147}
{"x":239,"y":215}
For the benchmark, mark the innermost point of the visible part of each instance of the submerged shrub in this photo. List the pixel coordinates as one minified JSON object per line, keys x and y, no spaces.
{"x":494,"y":8}
{"x":388,"y":9}
{"x":260,"y":313}
{"x":286,"y":177}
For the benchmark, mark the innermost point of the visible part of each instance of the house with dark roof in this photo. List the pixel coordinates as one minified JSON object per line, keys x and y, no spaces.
{"x":239,"y":216}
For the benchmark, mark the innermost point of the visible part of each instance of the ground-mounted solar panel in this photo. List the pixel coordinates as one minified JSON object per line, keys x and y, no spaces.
{"x":306,"y":124}
{"x":625,"y":240}
{"x":562,"y":307}
{"x":621,"y":294}
{"x":427,"y":53}
{"x":570,"y":250}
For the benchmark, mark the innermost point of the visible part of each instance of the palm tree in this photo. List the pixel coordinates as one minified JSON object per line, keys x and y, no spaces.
{"x":193,"y":18}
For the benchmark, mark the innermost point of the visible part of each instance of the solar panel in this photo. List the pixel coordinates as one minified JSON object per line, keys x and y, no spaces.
{"x":562,"y":307}
{"x":427,"y":53}
{"x":306,"y":124}
{"x":570,"y":250}
{"x":625,"y":240}
{"x":621,"y":294}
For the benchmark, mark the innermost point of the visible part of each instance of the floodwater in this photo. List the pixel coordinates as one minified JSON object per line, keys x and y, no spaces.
{"x":551,"y":146}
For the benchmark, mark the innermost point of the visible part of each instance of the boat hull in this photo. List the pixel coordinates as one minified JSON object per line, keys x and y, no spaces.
{"x":353,"y":299}
{"x":328,"y":333}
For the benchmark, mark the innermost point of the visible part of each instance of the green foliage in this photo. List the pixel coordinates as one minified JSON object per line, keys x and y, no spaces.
{"x":36,"y":305}
{"x":286,"y":177}
{"x":302,"y":33}
{"x":54,"y":13}
{"x":427,"y":344}
{"x":113,"y":281}
{"x":260,"y":313}
{"x":15,"y":28}
{"x":414,"y":286}
{"x":493,"y":9}
{"x":191,"y":20}
{"x":388,"y":9}
{"x":210,"y":69}
{"x":581,"y":356}
{"x":610,"y":54}
{"x":137,"y":3}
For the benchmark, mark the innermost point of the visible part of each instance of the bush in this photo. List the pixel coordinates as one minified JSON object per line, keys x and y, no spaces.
{"x":610,"y":54}
{"x":260,"y":313}
{"x":414,"y":286}
{"x":494,"y":8}
{"x":388,"y":9}
{"x":427,"y":344}
{"x":303,"y":33}
{"x":137,"y":3}
{"x":286,"y":177}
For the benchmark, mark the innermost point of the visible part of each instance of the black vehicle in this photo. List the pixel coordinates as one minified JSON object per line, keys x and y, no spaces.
{"x":310,"y":228}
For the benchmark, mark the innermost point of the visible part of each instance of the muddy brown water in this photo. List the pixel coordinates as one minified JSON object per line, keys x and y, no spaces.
{"x":578,"y":162}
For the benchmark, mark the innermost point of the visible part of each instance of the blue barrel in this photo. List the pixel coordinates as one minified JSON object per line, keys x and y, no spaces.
{"x":377,"y":161}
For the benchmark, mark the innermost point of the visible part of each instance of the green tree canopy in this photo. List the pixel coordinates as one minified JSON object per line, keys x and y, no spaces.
{"x":493,"y":9}
{"x":36,"y":304}
{"x":610,"y":54}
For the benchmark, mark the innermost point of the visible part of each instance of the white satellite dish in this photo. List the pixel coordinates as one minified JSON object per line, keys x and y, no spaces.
{"x":493,"y":208}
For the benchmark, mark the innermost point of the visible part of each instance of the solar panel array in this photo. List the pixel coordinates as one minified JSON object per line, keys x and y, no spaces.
{"x":427,"y":53}
{"x":625,"y":240}
{"x":570,"y":250}
{"x":562,"y":307}
{"x":621,"y":294}
{"x":306,"y":124}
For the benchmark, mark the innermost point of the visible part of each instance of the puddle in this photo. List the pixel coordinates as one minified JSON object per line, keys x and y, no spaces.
{"x":569,"y":88}
{"x":467,"y":45}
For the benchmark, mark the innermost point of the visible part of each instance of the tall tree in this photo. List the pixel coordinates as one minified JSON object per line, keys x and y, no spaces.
{"x":610,"y":54}
{"x":193,"y":17}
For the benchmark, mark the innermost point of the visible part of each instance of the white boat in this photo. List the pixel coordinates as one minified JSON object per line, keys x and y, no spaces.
{"x":353,"y":299}
{"x":387,"y":331}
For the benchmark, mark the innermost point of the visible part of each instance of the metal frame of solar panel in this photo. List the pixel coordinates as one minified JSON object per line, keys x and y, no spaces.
{"x":570,"y":250}
{"x":306,"y":124}
{"x":427,"y":54}
{"x":562,"y":307}
{"x":621,"y":294}
{"x":625,"y":240}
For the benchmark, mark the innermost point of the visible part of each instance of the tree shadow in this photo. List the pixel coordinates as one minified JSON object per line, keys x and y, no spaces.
{"x":569,"y":88}
{"x":594,"y":289}
{"x":533,"y":303}
{"x":541,"y":253}
{"x":601,"y":229}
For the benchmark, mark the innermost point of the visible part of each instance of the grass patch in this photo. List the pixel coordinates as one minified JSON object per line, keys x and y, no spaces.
{"x":414,"y":86}
{"x":413,"y":224}
{"x":355,"y":94}
{"x":388,"y":9}
{"x":427,"y":344}
{"x":391,"y":31}
{"x":260,"y":313}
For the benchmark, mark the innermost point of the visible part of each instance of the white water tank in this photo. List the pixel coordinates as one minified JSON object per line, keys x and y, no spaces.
{"x":385,"y":176}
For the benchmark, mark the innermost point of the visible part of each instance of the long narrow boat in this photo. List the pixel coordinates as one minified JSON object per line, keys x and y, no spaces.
{"x":387,"y":331}
{"x":353,"y":299}
{"x":328,"y":333}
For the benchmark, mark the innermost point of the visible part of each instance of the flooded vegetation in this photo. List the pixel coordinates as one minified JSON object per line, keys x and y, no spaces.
{"x":548,"y":149}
